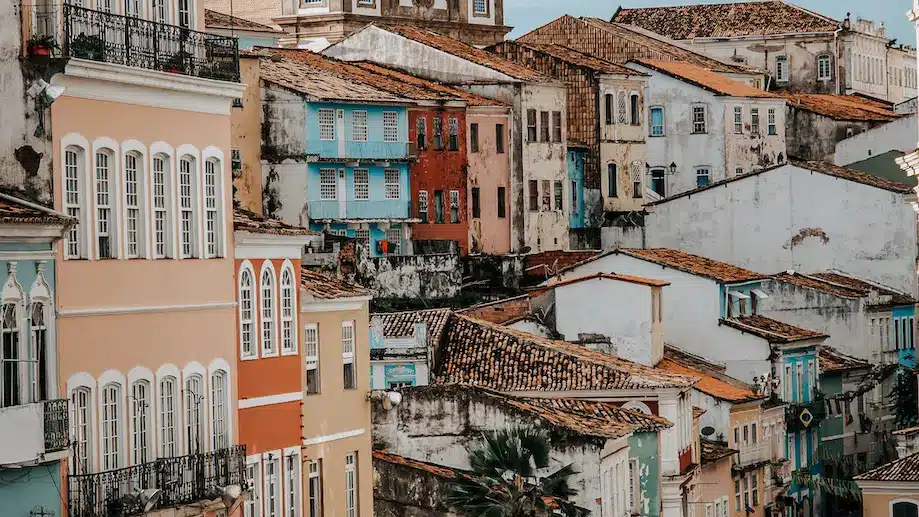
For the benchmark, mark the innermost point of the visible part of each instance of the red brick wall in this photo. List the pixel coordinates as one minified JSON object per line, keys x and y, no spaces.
{"x":502,"y":311}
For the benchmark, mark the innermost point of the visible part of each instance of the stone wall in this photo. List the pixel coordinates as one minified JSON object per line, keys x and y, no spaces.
{"x":416,"y":276}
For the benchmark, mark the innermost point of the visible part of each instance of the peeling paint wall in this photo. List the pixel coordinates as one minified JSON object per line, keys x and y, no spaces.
{"x":401,"y":491}
{"x":418,"y":276}
{"x":810,"y":136}
{"x":717,"y":413}
{"x":246,"y":134}
{"x":490,"y":170}
{"x":645,"y":447}
{"x":623,"y":144}
{"x":754,"y":148}
{"x":754,"y":222}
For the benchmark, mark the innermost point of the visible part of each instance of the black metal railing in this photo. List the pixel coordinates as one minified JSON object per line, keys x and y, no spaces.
{"x":183,"y":480}
{"x":56,"y":424}
{"x":131,"y":41}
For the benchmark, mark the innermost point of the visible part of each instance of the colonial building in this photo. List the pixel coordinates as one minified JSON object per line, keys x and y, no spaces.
{"x":249,"y":34}
{"x":891,"y":490}
{"x":402,"y":345}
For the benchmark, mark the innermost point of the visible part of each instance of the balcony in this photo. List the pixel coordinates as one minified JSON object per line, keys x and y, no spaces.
{"x":32,"y":432}
{"x":183,"y":480}
{"x":800,"y":416}
{"x":123,"y":40}
{"x":394,"y":209}
{"x":345,"y":150}
{"x":751,"y":455}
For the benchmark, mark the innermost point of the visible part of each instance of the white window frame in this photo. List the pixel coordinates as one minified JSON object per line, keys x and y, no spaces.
{"x":754,"y":121}
{"x":195,"y":405}
{"x":75,"y":157}
{"x":169,"y":420}
{"x":272,"y":485}
{"x":824,"y":74}
{"x":324,"y":175}
{"x":247,"y":300}
{"x":696,"y":108}
{"x":252,"y":506}
{"x":220,"y":409}
{"x":293,"y":482}
{"x":738,"y":119}
{"x":480,"y":7}
{"x":326,"y":118}
{"x":390,"y":126}
{"x":288,"y":308}
{"x":141,"y":413}
{"x":351,"y":489}
{"x":423,"y":206}
{"x":359,"y":131}
{"x":187,"y":206}
{"x":314,"y":469}
{"x":268,"y":312}
{"x":348,"y":345}
{"x":362,"y":188}
{"x":781,"y":68}
{"x":771,"y":126}
{"x":161,"y":206}
{"x":311,"y":353}
{"x":393,"y":188}
{"x":657,"y":130}
{"x":82,"y":428}
{"x":112,"y":455}
{"x":707,"y":173}
{"x":106,"y":202}
{"x":134,"y":203}
{"x":212,"y":206}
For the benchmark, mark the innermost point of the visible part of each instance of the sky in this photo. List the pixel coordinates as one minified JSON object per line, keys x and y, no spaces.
{"x":525,"y":15}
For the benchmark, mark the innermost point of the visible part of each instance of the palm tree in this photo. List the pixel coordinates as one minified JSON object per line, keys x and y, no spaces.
{"x":503,"y":481}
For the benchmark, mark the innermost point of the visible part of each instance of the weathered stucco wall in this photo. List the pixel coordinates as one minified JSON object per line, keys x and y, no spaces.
{"x":623,"y":143}
{"x":490,"y":170}
{"x":752,"y":149}
{"x":898,"y":135}
{"x":810,"y":136}
{"x":415,"y":276}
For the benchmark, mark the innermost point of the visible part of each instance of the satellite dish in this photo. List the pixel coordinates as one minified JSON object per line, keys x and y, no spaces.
{"x":148,"y":498}
{"x":708,"y":430}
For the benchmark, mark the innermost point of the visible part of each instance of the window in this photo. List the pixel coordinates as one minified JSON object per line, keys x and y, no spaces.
{"x":351,"y":485}
{"x":194,"y":423}
{"x":770,"y":120}
{"x":799,"y":391}
{"x":454,"y":206}
{"x":39,"y":351}
{"x":141,"y":406}
{"x":272,"y":499}
{"x":211,"y":208}
{"x":73,"y":202}
{"x":746,"y":490}
{"x":612,"y":178}
{"x":326,"y":124}
{"x":637,"y":182}
{"x":81,"y":422}
{"x":421,"y":133}
{"x":162,"y":217}
{"x":502,"y":210}
{"x":904,"y":509}
{"x":394,"y":237}
{"x":184,"y":17}
{"x":738,"y":119}
{"x":544,"y":126}
{"x":635,"y":109}
{"x":423,"y":205}
{"x":288,"y":342}
{"x":574,"y":198}
{"x":315,"y":488}
{"x":253,"y":505}
{"x":657,"y":121}
{"x":134,"y":226}
{"x":559,"y":196}
{"x":824,"y":70}
{"x":236,"y":160}
{"x":454,"y":134}
{"x":556,"y":126}
{"x":473,"y":138}
{"x":621,"y":105}
{"x":246,"y":315}
{"x":698,"y":119}
{"x":105,"y":226}
{"x":499,"y":138}
{"x":702,"y":176}
{"x":347,"y":354}
{"x":781,"y":69}
{"x":476,"y":206}
{"x":754,"y":488}
{"x":480,"y":6}
{"x":187,"y":205}
{"x":266,"y":287}
{"x":657,"y":181}
{"x":111,"y":427}
{"x":438,"y":134}
{"x":311,"y":355}
{"x":167,"y":413}
{"x":391,"y":178}
{"x":359,"y":125}
{"x":390,"y":126}
{"x":534,"y":195}
{"x":737,"y":495}
{"x":328,"y":184}
{"x":439,"y":207}
{"x":219,"y":416}
{"x":361,"y":184}
{"x":362,"y":236}
{"x":531,"y":125}
{"x":754,"y":120}
{"x":546,"y":195}
{"x":788,"y":386}
{"x":609,"y":108}
{"x":159,"y":11}
{"x":634,"y":486}
{"x":753,"y":433}
{"x":292,"y":484}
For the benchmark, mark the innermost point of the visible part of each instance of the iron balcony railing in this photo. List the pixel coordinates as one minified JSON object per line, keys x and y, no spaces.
{"x":56,"y":425}
{"x":131,"y":41}
{"x":183,"y":480}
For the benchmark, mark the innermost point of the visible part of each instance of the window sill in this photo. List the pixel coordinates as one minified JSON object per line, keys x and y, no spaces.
{"x":290,"y":353}
{"x":248,"y":357}
{"x":269,"y":355}
{"x":657,"y":136}
{"x":699,"y":133}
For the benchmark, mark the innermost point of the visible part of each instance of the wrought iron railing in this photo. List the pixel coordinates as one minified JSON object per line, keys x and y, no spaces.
{"x":56,"y":424}
{"x":183,"y":480}
{"x":131,"y":41}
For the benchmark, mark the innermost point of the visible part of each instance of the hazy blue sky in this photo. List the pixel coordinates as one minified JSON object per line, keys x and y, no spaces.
{"x":524,"y":15}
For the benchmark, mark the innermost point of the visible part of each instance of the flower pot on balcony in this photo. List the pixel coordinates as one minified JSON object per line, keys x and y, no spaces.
{"x":87,"y":47}
{"x":41,"y":45}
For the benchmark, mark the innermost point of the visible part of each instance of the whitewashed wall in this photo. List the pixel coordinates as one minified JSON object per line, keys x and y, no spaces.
{"x":899,"y":135}
{"x":717,"y":413}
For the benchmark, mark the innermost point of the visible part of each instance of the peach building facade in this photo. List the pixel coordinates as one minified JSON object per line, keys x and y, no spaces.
{"x":489,"y":172}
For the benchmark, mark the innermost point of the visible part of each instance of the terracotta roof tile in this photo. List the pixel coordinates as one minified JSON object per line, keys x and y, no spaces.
{"x":417,"y":88}
{"x":484,"y":354}
{"x":246,"y":221}
{"x":903,"y":469}
{"x":650,"y":282}
{"x":568,"y":55}
{"x":467,"y":52}
{"x":676,"y":259}
{"x":714,"y":451}
{"x":772,"y":330}
{"x":549,"y":263}
{"x":841,"y":107}
{"x":402,"y":324}
{"x":711,"y":383}
{"x":502,"y":312}
{"x":17,"y":211}
{"x":217,"y":20}
{"x":832,"y":360}
{"x":890,"y":296}
{"x":727,"y":19}
{"x":697,"y":412}
{"x":813,"y":282}
{"x":430,"y":468}
{"x":704,"y":78}
{"x":328,"y":288}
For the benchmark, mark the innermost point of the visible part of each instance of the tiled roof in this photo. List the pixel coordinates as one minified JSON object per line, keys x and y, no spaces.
{"x":724,"y":20}
{"x":896,"y":297}
{"x":246,"y":221}
{"x":694,"y":264}
{"x":650,"y":282}
{"x":417,"y":88}
{"x":840,"y":107}
{"x":402,"y":324}
{"x":467,"y":52}
{"x":712,"y":382}
{"x":17,"y":211}
{"x":704,"y":78}
{"x":903,"y":469}
{"x":813,"y":282}
{"x":772,"y":330}
{"x":832,"y":360}
{"x":714,"y":451}
{"x":217,"y":20}
{"x":697,"y":412}
{"x":484,"y":354}
{"x":430,"y":468}
{"x":328,"y":288}
{"x":576,"y":58}
{"x":548,"y":263}
{"x":592,"y":417}
{"x":318,"y":76}
{"x":502,"y":312}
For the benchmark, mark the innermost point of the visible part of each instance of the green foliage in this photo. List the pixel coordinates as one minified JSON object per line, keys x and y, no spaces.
{"x":504,"y":480}
{"x":904,"y":397}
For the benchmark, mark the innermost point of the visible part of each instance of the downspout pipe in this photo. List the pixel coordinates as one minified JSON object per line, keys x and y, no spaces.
{"x":836,"y":60}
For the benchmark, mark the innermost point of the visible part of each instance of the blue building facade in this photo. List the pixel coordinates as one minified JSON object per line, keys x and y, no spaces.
{"x":576,"y":160}
{"x":358,"y":175}
{"x":805,"y":409}
{"x":904,"y":318}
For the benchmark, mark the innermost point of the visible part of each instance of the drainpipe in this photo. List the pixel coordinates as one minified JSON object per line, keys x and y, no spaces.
{"x":836,"y":63}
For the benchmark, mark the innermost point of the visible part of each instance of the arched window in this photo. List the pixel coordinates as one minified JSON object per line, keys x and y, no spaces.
{"x":195,"y":406}
{"x":188,"y":209}
{"x":162,"y":217}
{"x":621,"y":107}
{"x":288,"y":308}
{"x":111,"y":426}
{"x":612,"y":178}
{"x":269,"y":332}
{"x":637,"y":405}
{"x":41,"y":373}
{"x":904,"y":509}
{"x":168,"y":408}
{"x":247,"y":333}
{"x":635,"y":109}
{"x":160,"y":11}
{"x":213,"y":244}
{"x":219,"y":413}
{"x":134,"y":205}
{"x":74,"y":247}
{"x":81,"y":430}
{"x":11,"y":355}
{"x":141,"y":409}
{"x":609,"y":108}
{"x":106,"y":229}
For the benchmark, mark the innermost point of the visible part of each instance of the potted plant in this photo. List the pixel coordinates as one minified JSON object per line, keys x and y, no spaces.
{"x":41,"y":45}
{"x":87,"y":47}
{"x":177,"y":63}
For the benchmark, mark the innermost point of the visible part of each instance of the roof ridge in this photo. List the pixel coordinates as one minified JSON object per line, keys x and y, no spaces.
{"x":868,"y":281}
